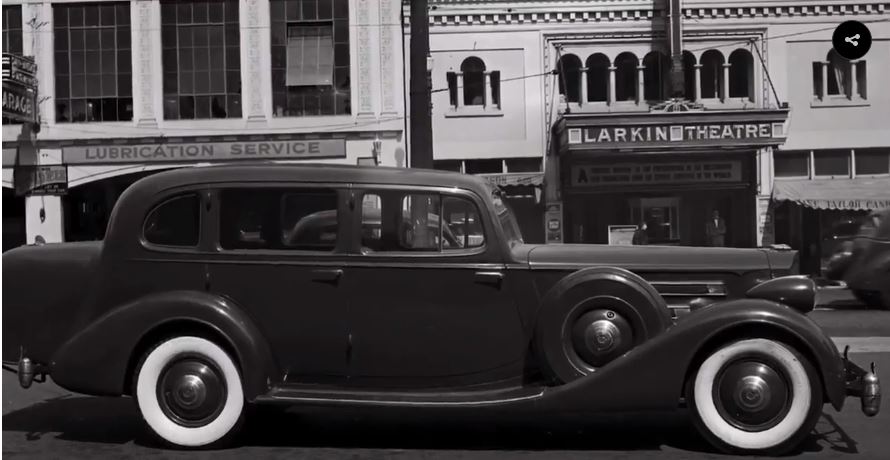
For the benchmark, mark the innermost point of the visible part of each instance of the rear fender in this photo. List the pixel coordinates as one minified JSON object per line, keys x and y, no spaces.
{"x":97,"y":360}
{"x":652,"y":376}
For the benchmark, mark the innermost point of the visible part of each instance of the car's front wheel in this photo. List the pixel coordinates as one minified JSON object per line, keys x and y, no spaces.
{"x":755,"y":396}
{"x":189,"y":392}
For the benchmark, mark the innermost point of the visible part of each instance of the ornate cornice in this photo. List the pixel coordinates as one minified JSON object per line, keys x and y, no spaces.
{"x":468,"y":12}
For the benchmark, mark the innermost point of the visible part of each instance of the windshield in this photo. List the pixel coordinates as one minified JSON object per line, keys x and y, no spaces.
{"x":506,"y":218}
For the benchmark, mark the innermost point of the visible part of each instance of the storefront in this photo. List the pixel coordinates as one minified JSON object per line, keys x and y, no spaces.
{"x":98,"y":173}
{"x":13,"y":205}
{"x":670,"y":171}
{"x":814,"y":216}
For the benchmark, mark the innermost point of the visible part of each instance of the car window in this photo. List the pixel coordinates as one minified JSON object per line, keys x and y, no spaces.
{"x":398,"y":221}
{"x":279,"y":218}
{"x":175,"y":222}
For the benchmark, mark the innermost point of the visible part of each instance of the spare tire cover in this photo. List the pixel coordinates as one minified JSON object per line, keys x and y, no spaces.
{"x":613,"y":288}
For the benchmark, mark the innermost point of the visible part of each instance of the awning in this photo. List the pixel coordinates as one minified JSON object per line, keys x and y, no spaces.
{"x":849,"y":194}
{"x":535,"y":179}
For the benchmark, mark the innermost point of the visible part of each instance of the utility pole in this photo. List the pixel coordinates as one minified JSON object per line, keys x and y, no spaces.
{"x":420,"y":152}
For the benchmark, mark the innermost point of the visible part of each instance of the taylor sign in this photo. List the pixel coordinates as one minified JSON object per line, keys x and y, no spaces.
{"x":210,"y":151}
{"x":656,"y":134}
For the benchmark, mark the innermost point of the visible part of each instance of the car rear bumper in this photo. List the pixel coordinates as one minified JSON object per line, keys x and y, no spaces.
{"x":863,"y":384}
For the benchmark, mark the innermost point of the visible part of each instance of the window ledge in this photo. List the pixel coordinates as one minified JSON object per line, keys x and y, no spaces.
{"x":475,"y":111}
{"x":839,"y":101}
{"x":731,"y":103}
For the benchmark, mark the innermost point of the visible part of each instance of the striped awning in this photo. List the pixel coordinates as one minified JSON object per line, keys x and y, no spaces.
{"x":864,"y":194}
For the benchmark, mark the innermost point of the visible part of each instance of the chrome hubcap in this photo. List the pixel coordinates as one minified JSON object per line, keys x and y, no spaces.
{"x":191,"y":391}
{"x":598,"y":337}
{"x":752,"y":395}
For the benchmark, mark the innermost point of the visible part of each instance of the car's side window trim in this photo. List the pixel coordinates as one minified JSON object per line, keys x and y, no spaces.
{"x":342,"y":190}
{"x":361,"y":190}
{"x":168,"y":197}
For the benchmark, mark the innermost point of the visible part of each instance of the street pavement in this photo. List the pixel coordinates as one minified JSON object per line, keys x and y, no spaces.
{"x":49,"y":422}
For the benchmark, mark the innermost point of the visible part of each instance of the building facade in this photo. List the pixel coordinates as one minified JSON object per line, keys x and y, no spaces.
{"x":772,"y":115}
{"x":132,"y":87}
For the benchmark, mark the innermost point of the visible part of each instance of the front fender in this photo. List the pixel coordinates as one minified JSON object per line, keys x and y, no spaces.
{"x":652,"y":376}
{"x":95,"y":360}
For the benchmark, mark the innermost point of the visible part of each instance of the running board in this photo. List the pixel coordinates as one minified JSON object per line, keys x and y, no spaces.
{"x":315,"y":396}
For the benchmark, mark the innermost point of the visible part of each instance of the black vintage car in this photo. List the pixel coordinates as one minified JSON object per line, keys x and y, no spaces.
{"x":222,"y":287}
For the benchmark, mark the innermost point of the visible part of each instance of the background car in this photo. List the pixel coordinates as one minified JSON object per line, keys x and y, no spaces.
{"x":863,"y":262}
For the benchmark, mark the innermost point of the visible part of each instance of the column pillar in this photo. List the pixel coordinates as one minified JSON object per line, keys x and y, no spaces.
{"x":145,"y":34}
{"x":641,"y":84}
{"x":612,"y":70}
{"x":698,"y":82}
{"x":584,"y":90}
{"x":256,"y":80}
{"x":853,"y":82}
{"x":725,"y":86}
{"x":460,"y":89}
{"x":489,"y":99}
{"x":824,"y":80}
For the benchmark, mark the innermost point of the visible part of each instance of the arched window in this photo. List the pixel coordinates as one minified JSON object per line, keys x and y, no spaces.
{"x":689,"y":83}
{"x":741,"y":74}
{"x":569,"y":67}
{"x":626,"y":77}
{"x":598,"y":78}
{"x":655,"y":76}
{"x":712,"y":74}
{"x":473,"y":70}
{"x":839,"y":76}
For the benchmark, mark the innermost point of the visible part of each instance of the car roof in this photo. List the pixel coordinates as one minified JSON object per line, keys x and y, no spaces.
{"x":311,"y":172}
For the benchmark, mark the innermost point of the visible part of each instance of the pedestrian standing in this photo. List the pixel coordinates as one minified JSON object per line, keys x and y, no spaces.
{"x":715,"y":230}
{"x":640,"y":235}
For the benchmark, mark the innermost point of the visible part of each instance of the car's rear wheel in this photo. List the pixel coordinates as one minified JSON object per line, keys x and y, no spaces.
{"x":755,"y":396}
{"x":189,"y":392}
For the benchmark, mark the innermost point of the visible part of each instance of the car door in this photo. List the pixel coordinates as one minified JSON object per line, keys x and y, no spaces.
{"x":423,"y":308}
{"x":280,"y":257}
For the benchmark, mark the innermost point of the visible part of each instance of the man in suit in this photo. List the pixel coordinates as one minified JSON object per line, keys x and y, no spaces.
{"x":715,"y":229}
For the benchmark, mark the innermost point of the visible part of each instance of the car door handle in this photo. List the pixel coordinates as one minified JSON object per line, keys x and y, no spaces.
{"x":494,"y":278}
{"x":327,"y":275}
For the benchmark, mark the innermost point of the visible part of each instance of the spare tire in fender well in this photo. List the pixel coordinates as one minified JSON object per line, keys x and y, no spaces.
{"x":613,"y":301}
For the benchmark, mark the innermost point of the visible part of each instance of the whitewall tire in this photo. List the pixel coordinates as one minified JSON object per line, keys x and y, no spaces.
{"x":189,"y":392}
{"x":755,"y":396}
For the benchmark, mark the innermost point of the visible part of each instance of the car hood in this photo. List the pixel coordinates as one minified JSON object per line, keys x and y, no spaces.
{"x":648,"y":258}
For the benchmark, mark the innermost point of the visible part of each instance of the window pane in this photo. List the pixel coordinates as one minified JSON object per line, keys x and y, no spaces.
{"x":175,"y":222}
{"x":463,"y":227}
{"x":290,"y":219}
{"x":872,"y":161}
{"x":418,"y":228}
{"x":791,"y":164}
{"x":832,"y":163}
{"x":310,"y":53}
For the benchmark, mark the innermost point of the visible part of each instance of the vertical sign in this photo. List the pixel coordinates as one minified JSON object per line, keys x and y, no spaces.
{"x":553,"y":222}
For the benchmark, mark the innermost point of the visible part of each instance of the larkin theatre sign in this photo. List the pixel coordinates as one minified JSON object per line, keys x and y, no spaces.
{"x":209,"y":151}
{"x":663,"y":134}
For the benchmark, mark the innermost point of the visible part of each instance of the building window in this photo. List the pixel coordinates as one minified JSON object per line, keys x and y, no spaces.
{"x":872,"y":162}
{"x":792,"y":164}
{"x":598,"y":78}
{"x":626,"y":77}
{"x":741,"y":74}
{"x":473,"y":70}
{"x":569,"y":68}
{"x":201,"y":59}
{"x":515,"y":165}
{"x":12,"y":29}
{"x":689,"y":80}
{"x":284,"y":219}
{"x":711,"y":74}
{"x":12,"y":37}
{"x":310,"y":57}
{"x":831,"y":163}
{"x":448,"y":165}
{"x":93,"y":63}
{"x":837,"y":77}
{"x":176,"y":222}
{"x":492,"y":166}
{"x":655,"y":76}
